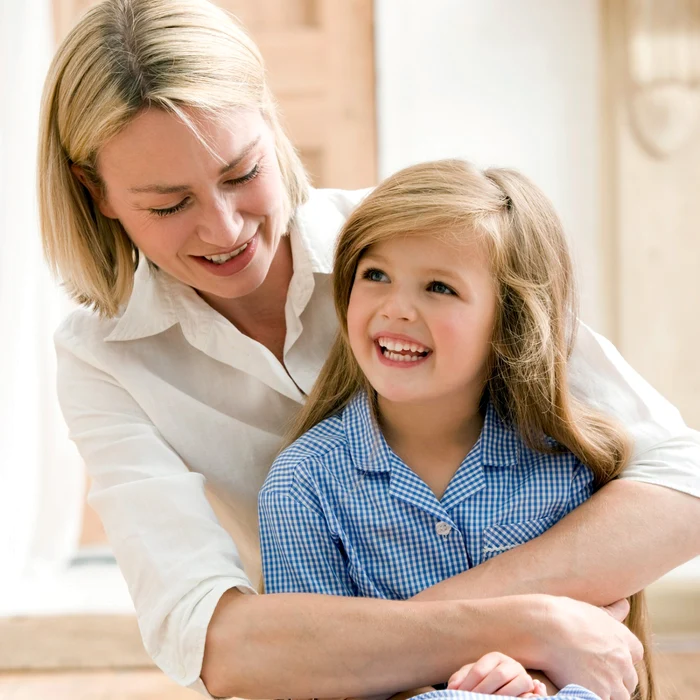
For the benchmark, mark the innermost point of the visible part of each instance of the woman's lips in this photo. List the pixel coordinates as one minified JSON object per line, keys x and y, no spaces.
{"x":235,"y":264}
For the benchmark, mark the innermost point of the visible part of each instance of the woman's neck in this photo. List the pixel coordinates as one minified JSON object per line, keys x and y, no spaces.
{"x":432,"y":438}
{"x":261,"y":314}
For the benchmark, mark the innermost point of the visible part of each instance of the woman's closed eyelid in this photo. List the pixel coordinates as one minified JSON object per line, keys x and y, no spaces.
{"x":167,"y":211}
{"x":235,"y":182}
{"x":250,"y":175}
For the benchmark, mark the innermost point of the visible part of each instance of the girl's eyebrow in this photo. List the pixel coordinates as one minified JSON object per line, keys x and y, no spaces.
{"x":373,"y":256}
{"x":170,"y":189}
{"x":443,"y":272}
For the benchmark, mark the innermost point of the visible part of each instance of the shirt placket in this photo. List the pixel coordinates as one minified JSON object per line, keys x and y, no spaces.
{"x":441,"y":528}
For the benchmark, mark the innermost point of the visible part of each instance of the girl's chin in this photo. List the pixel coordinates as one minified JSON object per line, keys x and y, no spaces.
{"x":398,"y":395}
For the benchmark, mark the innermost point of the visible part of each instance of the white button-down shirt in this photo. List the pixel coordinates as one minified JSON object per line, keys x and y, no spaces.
{"x":170,"y":396}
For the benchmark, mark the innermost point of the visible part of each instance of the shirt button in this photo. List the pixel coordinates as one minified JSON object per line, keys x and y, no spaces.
{"x":443,"y":529}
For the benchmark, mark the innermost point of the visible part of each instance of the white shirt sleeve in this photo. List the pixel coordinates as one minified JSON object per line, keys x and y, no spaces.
{"x":175,"y":556}
{"x":666,"y":451}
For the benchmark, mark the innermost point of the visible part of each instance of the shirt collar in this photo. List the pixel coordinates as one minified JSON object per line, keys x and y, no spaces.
{"x":150,"y":309}
{"x":318,"y":222}
{"x":499,"y":445}
{"x":159,"y":301}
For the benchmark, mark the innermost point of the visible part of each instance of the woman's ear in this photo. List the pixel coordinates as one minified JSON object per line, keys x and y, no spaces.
{"x":97,"y":196}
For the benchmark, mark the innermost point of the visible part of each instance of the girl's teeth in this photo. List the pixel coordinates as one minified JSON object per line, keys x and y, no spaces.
{"x":396,"y":357}
{"x":400,"y":346}
{"x":219,"y":259}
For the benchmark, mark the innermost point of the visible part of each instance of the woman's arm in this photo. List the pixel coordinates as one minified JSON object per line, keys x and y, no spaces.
{"x":176,"y":558}
{"x":626,"y":536}
{"x":299,"y":644}
{"x":305,"y":645}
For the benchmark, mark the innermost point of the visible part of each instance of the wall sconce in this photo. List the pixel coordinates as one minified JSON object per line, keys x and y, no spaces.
{"x":663,"y":64}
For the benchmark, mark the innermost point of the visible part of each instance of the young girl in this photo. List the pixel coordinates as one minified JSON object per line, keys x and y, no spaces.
{"x":441,"y":430}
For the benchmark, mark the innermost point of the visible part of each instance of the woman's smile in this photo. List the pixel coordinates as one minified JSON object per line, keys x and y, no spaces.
{"x":226,"y":264}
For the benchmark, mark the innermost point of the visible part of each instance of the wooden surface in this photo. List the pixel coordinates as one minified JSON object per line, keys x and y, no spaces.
{"x":71,"y":642}
{"x":680,"y":680}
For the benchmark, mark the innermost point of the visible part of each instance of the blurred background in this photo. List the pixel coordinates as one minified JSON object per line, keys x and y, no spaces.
{"x":598,"y":101}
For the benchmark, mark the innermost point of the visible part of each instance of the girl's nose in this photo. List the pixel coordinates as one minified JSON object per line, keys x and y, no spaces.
{"x":220,"y":225}
{"x":398,"y":306}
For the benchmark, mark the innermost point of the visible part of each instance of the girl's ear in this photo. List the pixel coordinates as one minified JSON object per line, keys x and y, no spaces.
{"x":97,"y":197}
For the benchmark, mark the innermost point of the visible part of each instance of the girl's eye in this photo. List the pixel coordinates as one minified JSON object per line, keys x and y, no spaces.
{"x":440,"y":288}
{"x":373,"y":275}
{"x":171,"y":210}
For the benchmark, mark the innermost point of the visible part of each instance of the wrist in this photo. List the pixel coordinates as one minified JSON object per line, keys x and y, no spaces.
{"x":519,"y":627}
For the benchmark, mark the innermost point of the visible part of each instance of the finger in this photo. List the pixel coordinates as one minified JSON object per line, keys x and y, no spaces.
{"x":636,"y":648}
{"x":619,"y":609}
{"x":620,"y":694}
{"x":630,"y":679}
{"x":458,"y":676}
{"x":503,"y":674}
{"x":480,"y":670}
{"x":522,"y":683}
{"x":540,"y":689}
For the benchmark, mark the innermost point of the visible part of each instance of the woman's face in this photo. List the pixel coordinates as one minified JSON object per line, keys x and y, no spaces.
{"x":213,"y":223}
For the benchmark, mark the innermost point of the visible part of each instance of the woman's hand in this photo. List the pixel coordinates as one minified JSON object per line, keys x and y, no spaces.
{"x":496,"y":674}
{"x":589,"y":646}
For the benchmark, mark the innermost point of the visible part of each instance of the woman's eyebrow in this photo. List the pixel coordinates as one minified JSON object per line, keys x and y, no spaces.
{"x":170,"y":189}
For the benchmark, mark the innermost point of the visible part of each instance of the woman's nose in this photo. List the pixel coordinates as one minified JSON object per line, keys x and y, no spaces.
{"x":220,"y":225}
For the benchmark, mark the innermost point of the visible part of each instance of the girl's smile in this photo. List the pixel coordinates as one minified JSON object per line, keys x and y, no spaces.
{"x":400,"y":350}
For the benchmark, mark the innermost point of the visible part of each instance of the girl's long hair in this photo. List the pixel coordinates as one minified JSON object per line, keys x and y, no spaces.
{"x":536,"y":319}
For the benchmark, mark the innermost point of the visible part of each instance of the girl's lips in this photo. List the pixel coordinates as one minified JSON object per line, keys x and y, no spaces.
{"x":399,"y":364}
{"x":234,"y":265}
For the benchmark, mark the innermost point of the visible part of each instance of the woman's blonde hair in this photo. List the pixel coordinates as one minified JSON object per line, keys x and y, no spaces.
{"x":124,"y":56}
{"x":536,"y":319}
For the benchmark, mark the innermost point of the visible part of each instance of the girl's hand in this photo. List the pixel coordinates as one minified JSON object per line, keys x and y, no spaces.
{"x":497,"y":674}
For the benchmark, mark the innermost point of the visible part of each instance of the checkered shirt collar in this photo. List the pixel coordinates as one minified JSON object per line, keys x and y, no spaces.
{"x":498,"y":444}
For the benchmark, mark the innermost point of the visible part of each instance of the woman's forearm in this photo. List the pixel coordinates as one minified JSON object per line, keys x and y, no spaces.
{"x":625,"y":537}
{"x":299,"y":645}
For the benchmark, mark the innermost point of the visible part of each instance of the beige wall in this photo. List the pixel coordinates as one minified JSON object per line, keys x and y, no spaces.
{"x":651,"y":234}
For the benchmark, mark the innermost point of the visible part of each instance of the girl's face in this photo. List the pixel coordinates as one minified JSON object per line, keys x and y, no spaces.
{"x":181,"y":206}
{"x":421,"y":317}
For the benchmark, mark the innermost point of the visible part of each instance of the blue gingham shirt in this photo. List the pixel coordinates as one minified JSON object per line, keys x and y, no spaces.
{"x":341,"y":514}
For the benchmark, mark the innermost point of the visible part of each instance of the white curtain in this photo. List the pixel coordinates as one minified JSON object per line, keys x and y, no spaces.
{"x":41,"y":476}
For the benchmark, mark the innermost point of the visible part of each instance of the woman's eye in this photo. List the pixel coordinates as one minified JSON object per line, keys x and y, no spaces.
{"x":373,"y":275}
{"x":250,"y":175}
{"x":171,"y":210}
{"x":440,"y":288}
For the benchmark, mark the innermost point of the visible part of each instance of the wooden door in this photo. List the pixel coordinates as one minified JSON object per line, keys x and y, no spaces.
{"x":320,"y":59}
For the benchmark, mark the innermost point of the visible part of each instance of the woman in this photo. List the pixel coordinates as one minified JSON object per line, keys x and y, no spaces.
{"x":160,"y":141}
